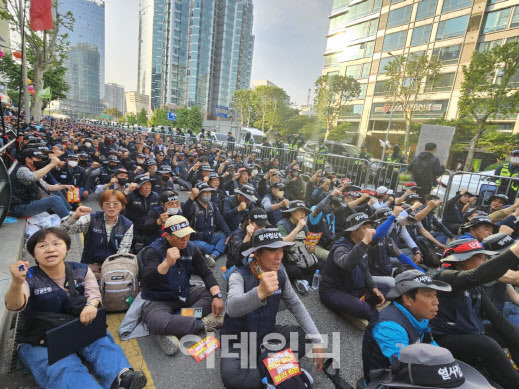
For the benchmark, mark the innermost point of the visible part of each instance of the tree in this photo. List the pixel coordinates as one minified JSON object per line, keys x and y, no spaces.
{"x":410,"y":80}
{"x":113,"y":112}
{"x":131,"y":118}
{"x":331,"y":95}
{"x":160,"y":117}
{"x":340,"y":132}
{"x":182,"y":118}
{"x":244,"y":104}
{"x":269,"y":102}
{"x":44,"y":49}
{"x":489,"y":89}
{"x":142,"y":118}
{"x":195,"y":119}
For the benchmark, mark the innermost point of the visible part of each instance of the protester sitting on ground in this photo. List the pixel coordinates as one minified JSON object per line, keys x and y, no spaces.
{"x":267,"y":181}
{"x":409,"y":188}
{"x":453,"y":212}
{"x":41,"y":289}
{"x":346,"y":279}
{"x":237,"y":207}
{"x":417,"y":231}
{"x":496,"y":202}
{"x":404,"y":322}
{"x":156,"y":217}
{"x":72,"y":174}
{"x":169,"y":263}
{"x":459,"y":325}
{"x":431,"y":222}
{"x":295,"y":185}
{"x":218,"y":195}
{"x":31,"y":194}
{"x":352,"y":200}
{"x":206,"y":218}
{"x":106,"y":232}
{"x":322,"y":221}
{"x":255,"y":293}
{"x":275,"y":202}
{"x":384,"y":198}
{"x":164,"y":182}
{"x":118,"y":182}
{"x":478,"y":227}
{"x":237,"y":181}
{"x":503,"y":213}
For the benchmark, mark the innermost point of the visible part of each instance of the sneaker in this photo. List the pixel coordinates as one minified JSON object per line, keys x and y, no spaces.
{"x":132,"y":380}
{"x":212,"y":322}
{"x":210,"y":260}
{"x":302,"y":287}
{"x":169,"y":344}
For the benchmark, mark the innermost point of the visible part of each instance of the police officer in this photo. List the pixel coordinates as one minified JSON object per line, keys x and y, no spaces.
{"x":396,"y":156}
{"x":404,"y":322}
{"x":278,"y":146}
{"x":511,"y":169}
{"x":320,"y":151}
{"x":157,"y":216}
{"x":205,"y":217}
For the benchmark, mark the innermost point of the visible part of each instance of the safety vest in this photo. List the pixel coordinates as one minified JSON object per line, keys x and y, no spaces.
{"x":505,"y":172}
{"x":320,"y":157}
{"x":392,"y":158}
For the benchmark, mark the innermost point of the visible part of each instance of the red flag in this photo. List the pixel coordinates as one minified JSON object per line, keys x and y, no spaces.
{"x":41,"y":15}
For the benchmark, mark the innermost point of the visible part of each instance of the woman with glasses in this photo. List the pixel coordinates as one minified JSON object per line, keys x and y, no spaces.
{"x":106,"y":232}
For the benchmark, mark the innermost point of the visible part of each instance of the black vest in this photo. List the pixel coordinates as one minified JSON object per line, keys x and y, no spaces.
{"x":372,"y":357}
{"x":378,"y":258}
{"x":22,"y":194}
{"x":175,"y":285}
{"x":97,"y":246}
{"x":138,"y":206}
{"x":262,"y":320}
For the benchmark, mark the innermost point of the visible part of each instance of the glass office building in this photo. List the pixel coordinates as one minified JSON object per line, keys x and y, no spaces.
{"x":194,"y":52}
{"x":364,"y":35}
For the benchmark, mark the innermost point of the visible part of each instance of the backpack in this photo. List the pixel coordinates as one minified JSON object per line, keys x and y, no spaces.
{"x":298,"y":254}
{"x":430,"y":256}
{"x":421,"y":171}
{"x":119,"y":283}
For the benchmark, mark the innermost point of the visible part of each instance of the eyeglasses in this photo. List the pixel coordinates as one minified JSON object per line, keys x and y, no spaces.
{"x":110,"y":204}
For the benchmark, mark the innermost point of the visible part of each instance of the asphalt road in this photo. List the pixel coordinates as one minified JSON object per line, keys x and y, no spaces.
{"x":182,"y":371}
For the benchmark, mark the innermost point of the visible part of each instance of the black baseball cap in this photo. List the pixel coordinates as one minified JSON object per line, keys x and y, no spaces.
{"x":247,"y":191}
{"x":141,"y":179}
{"x":150,"y":162}
{"x":259,"y":216}
{"x":266,"y":238}
{"x":498,"y":242}
{"x":34,"y":153}
{"x":356,"y":220}
{"x":296,"y":204}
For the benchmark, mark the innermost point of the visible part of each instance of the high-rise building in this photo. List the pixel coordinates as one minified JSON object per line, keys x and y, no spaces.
{"x":194,"y":52}
{"x":114,"y":97}
{"x":85,"y":61}
{"x":135,"y":102}
{"x":257,"y":83}
{"x":364,"y":36}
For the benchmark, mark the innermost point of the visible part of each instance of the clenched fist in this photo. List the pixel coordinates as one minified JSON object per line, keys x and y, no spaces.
{"x":173,"y":254}
{"x":268,"y":284}
{"x":81,"y":211}
{"x":242,"y":206}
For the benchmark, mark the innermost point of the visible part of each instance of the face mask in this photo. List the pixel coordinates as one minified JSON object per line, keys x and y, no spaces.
{"x":88,"y":144}
{"x":83,"y":163}
{"x":190,"y":160}
{"x":72,"y":163}
{"x":514,"y":160}
{"x":39,"y":164}
{"x":140,"y":161}
{"x":205,"y":198}
{"x":122,"y":181}
{"x":255,"y":172}
{"x":164,"y":178}
{"x":280,"y":194}
{"x":173,"y":211}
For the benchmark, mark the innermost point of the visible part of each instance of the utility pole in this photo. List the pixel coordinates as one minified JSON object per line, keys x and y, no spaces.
{"x":386,"y":108}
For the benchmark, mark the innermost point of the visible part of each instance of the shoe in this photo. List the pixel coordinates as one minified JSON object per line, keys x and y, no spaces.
{"x":210,"y":260}
{"x":302,"y":287}
{"x":132,"y":380}
{"x":212,"y":323}
{"x":169,"y":344}
{"x":308,"y":376}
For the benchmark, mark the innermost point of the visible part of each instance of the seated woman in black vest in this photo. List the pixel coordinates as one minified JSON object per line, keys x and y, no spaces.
{"x":255,"y":292}
{"x":346,"y":284}
{"x":404,"y":322}
{"x":43,"y":288}
{"x":107,"y":232}
{"x":169,"y":206}
{"x":459,"y":325}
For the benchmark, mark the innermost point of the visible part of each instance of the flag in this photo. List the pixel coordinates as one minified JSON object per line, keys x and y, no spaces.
{"x":41,"y":15}
{"x":45,"y":94}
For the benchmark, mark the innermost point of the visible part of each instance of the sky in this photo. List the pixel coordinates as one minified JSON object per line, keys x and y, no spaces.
{"x":289,"y":46}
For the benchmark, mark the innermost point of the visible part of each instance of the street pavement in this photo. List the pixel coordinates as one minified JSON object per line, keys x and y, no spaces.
{"x":182,"y":371}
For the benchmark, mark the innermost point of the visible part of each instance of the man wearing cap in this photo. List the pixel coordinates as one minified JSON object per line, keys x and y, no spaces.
{"x":453,"y":213}
{"x":217,"y":196}
{"x":275,"y":202}
{"x":72,"y":174}
{"x":383,"y":198}
{"x":105,"y":173}
{"x":157,"y":216}
{"x":239,"y":179}
{"x":169,"y":263}
{"x":141,"y":199}
{"x":346,"y":283}
{"x":199,"y":172}
{"x":478,"y":227}
{"x":255,"y":293}
{"x":509,"y":187}
{"x":459,"y":324}
{"x":404,"y":322}
{"x":126,"y":161}
{"x":206,"y":218}
{"x":164,"y":183}
{"x":295,"y":185}
{"x":30,"y":192}
{"x":430,"y":221}
{"x":496,"y":202}
{"x":266,"y":182}
{"x":237,"y":207}
{"x":426,"y":168}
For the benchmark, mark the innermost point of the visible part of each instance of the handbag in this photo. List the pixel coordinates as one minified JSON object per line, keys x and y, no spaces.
{"x":35,"y":329}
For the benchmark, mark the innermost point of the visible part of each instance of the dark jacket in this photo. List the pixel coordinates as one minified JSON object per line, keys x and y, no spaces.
{"x":426,"y":168}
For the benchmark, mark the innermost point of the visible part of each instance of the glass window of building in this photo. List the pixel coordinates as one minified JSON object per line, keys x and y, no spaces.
{"x":448,"y":55}
{"x":362,"y":30}
{"x":452,"y":27}
{"x":384,"y":62}
{"x":352,"y":110}
{"x":358,"y":71}
{"x":421,"y":35}
{"x":444,"y":84}
{"x":453,"y":5}
{"x":394,"y":41}
{"x":497,"y":20}
{"x":338,"y":21}
{"x":381,"y":88}
{"x":363,"y":9}
{"x":426,"y":9}
{"x":399,"y":16}
{"x":361,"y":50}
{"x":515,"y":18}
{"x":331,"y":60}
{"x":340,"y":3}
{"x":363,"y":88}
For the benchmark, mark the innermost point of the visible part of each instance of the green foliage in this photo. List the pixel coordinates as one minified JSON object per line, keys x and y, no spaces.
{"x":130,"y":118}
{"x":499,"y":143}
{"x":340,"y":131}
{"x":113,"y":112}
{"x":160,"y":117}
{"x":331,"y":95}
{"x":182,"y":118}
{"x":271,"y":104}
{"x":489,"y":89}
{"x":142,"y":118}
{"x":195,"y":119}
{"x":244,"y":105}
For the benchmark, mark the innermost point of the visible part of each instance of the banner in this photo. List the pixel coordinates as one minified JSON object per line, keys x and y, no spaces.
{"x":45,"y":94}
{"x":41,"y":15}
{"x":282,"y":366}
{"x":313,"y":238}
{"x":203,"y":349}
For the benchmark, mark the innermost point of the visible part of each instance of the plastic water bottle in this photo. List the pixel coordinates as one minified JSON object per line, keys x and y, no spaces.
{"x":315,"y":280}
{"x":267,"y":384}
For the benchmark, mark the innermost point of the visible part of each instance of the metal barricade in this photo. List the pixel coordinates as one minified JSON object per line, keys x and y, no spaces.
{"x":388,"y":174}
{"x":5,"y":183}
